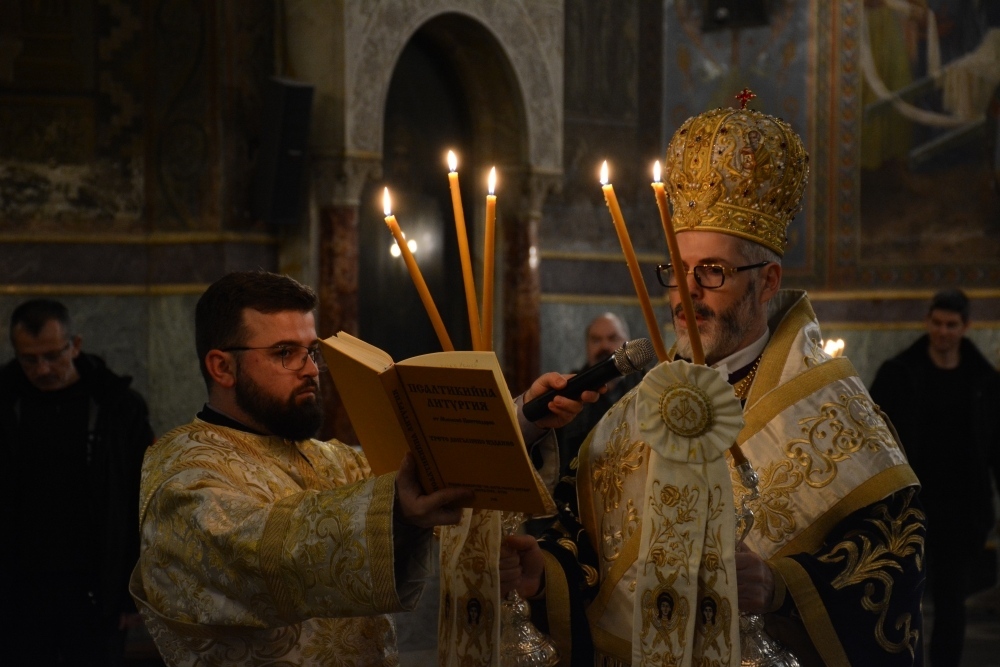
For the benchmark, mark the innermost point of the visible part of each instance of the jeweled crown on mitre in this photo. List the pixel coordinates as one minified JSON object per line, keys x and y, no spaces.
{"x":736,"y":171}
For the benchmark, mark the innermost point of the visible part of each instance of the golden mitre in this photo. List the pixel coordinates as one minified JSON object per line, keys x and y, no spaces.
{"x":739,"y":172}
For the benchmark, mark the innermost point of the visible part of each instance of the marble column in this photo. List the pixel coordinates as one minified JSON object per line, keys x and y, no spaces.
{"x":338,"y":182}
{"x":521,"y":285}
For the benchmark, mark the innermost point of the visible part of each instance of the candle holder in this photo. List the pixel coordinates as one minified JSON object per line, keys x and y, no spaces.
{"x":521,"y":643}
{"x":757,"y":648}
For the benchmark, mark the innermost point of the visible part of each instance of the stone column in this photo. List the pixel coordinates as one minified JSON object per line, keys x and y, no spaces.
{"x":521,"y":285}
{"x":338,"y":181}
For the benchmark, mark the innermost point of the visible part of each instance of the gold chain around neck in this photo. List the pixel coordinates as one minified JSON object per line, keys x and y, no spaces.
{"x":742,"y":387}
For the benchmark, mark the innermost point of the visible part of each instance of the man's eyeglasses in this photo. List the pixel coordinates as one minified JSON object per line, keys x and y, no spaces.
{"x":49,"y":357}
{"x":293,"y":357}
{"x":709,"y":276}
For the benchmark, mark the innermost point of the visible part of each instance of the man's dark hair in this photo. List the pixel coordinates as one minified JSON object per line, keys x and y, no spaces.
{"x":218,"y":317}
{"x":33,"y":315}
{"x":952,"y":300}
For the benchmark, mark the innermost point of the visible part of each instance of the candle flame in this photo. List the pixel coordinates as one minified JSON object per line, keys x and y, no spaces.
{"x":452,"y":161}
{"x":386,"y":203}
{"x":656,"y":171}
{"x":834,"y":348}
{"x":604,"y":173}
{"x":492,"y":179}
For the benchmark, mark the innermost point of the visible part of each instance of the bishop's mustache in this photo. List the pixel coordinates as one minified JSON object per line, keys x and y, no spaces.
{"x":700,"y":310}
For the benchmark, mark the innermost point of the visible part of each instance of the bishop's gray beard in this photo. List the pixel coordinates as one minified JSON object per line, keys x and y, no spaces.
{"x":720,"y":333}
{"x":286,"y":419}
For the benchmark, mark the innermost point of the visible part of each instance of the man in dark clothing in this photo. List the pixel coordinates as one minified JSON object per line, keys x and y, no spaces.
{"x":942,"y":395}
{"x":605,"y":334}
{"x":73,"y":436}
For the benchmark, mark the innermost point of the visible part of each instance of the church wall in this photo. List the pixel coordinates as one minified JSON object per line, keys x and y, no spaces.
{"x":803,"y":66}
{"x":128,"y":133}
{"x":150,"y":338}
{"x":127,"y":152}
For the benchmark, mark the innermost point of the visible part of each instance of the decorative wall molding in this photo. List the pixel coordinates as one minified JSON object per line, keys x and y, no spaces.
{"x":530,"y":32}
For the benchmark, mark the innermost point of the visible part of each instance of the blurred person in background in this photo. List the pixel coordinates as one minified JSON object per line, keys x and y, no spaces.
{"x":943,"y":397}
{"x":73,"y":435}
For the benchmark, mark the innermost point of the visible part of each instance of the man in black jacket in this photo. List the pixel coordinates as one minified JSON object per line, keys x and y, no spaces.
{"x":942,"y":395}
{"x":605,"y":334}
{"x":73,"y":435}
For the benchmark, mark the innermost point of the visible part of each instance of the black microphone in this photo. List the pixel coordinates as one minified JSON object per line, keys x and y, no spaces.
{"x":629,"y":358}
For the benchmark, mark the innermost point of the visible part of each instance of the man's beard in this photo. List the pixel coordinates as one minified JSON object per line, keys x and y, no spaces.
{"x":720,"y":333}
{"x":287,"y":419}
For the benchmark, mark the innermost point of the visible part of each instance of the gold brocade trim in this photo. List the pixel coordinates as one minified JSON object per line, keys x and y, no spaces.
{"x":378,"y":524}
{"x":235,"y":439}
{"x":557,"y":605}
{"x":585,"y":494}
{"x":308,"y":472}
{"x":271,"y":547}
{"x":779,"y":347}
{"x":790,"y":393}
{"x":866,"y":564}
{"x":220,"y":470}
{"x":629,"y":553}
{"x":870,"y":491}
{"x":742,"y":386}
{"x":815,"y":618}
{"x":186,"y":631}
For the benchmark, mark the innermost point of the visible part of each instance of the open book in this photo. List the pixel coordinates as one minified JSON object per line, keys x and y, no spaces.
{"x":451,"y":409}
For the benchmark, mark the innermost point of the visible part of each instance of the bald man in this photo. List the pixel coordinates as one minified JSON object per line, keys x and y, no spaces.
{"x":605,"y":334}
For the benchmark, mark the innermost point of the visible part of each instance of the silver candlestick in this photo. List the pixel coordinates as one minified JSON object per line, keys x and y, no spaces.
{"x":521,"y":643}
{"x":757,"y":648}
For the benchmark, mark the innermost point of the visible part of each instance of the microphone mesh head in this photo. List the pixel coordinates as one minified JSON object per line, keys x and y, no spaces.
{"x":634,"y":355}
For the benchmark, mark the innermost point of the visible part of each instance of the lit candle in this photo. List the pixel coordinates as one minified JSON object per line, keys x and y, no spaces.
{"x":633,"y":264}
{"x":463,"y":252}
{"x":489,"y":233}
{"x":697,"y":353}
{"x":416,"y":276}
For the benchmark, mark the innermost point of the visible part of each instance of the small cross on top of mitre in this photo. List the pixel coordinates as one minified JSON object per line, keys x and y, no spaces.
{"x":745,"y":96}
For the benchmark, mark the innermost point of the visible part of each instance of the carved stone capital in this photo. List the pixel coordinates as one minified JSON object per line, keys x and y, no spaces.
{"x":338,"y":180}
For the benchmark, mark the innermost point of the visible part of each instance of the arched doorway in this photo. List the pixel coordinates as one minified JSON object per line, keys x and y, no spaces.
{"x":451,"y":88}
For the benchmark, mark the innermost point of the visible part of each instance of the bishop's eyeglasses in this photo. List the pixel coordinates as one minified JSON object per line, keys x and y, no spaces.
{"x":708,"y":276}
{"x":293,"y":357}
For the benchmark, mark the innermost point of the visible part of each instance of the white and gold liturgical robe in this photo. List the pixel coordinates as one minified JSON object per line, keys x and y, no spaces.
{"x":837,"y":520}
{"x":262,"y":551}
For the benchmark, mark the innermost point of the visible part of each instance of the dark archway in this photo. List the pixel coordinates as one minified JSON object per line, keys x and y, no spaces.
{"x":452,"y":88}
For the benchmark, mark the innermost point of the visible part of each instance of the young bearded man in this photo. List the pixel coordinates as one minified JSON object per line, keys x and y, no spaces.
{"x":260,"y":544}
{"x":834,"y":558}
{"x":942,"y":396}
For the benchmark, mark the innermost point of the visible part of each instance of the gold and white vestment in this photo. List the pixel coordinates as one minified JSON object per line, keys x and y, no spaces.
{"x":259,"y":550}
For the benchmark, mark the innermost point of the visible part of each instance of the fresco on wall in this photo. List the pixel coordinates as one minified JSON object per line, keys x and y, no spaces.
{"x":930,"y":192}
{"x":705,"y":68}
